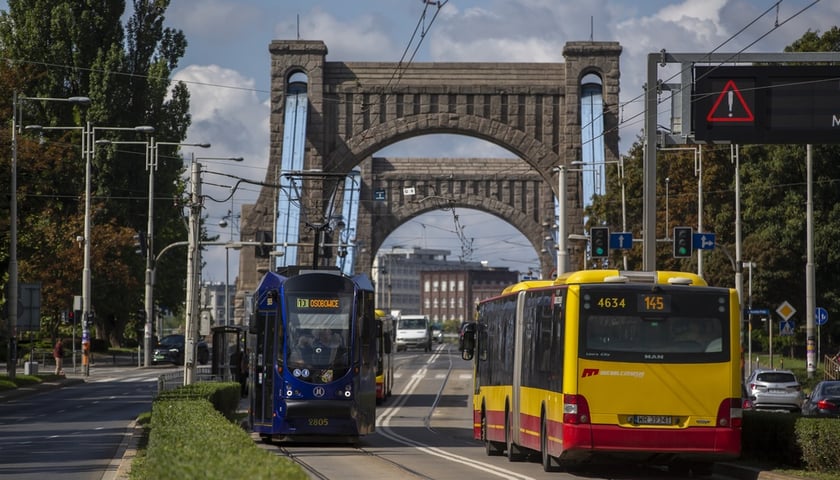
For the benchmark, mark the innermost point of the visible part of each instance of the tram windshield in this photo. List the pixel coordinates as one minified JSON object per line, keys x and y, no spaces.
{"x":318,"y":336}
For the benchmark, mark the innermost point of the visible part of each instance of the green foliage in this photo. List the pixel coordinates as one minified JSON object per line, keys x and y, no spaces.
{"x":818,"y":439}
{"x":64,"y":48}
{"x":189,"y":439}
{"x":224,"y":396}
{"x":769,"y":437}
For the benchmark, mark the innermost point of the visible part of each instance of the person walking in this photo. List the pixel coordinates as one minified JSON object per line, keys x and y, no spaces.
{"x":58,"y":355}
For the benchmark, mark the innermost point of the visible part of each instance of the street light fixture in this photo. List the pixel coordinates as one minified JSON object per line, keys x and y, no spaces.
{"x":13,"y":240}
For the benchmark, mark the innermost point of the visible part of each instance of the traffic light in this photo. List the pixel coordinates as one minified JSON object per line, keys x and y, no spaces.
{"x":600,"y":238}
{"x":683,"y":237}
{"x":140,"y":246}
{"x":264,"y":251}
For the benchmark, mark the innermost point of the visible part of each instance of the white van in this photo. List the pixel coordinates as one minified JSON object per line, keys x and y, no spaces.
{"x":414,"y":331}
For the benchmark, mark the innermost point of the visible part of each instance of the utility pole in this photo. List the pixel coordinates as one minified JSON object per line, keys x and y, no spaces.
{"x":193,"y":272}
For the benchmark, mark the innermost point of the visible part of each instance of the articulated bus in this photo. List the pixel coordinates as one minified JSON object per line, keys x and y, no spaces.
{"x":384,"y":357}
{"x":314,"y":364}
{"x":608,"y":365}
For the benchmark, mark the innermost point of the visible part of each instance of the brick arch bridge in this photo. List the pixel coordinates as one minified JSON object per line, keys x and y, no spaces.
{"x":357,"y":108}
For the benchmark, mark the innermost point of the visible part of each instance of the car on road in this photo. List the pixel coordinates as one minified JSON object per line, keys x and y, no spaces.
{"x":437,"y":333}
{"x":824,"y":401}
{"x":775,"y":390}
{"x":171,"y":349}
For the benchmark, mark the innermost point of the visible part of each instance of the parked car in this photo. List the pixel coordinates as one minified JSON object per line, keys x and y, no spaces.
{"x":824,"y":401}
{"x":171,"y":349}
{"x":775,"y":390}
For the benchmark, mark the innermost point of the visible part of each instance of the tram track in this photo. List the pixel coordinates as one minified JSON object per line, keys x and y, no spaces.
{"x":387,"y":467}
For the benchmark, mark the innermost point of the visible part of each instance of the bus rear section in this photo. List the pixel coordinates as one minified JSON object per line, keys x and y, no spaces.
{"x":655,"y":375}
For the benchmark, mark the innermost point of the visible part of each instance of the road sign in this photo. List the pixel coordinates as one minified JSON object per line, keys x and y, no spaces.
{"x":789,"y":104}
{"x":786,"y":328}
{"x":759,"y":311}
{"x":703,"y":241}
{"x":821,"y":316}
{"x":785,"y":310}
{"x":621,"y":240}
{"x":730,"y":106}
{"x":379,"y":195}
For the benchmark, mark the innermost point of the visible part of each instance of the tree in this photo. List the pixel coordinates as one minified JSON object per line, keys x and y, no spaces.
{"x":66,"y":48}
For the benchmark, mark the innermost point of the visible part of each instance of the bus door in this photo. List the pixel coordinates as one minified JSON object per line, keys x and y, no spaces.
{"x":516,"y":387}
{"x":263,"y":383}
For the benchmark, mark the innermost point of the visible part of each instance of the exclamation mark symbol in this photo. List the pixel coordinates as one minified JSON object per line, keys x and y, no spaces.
{"x":730,"y":96}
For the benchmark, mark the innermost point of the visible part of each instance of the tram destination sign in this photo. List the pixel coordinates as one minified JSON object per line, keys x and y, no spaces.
{"x":767,"y":104}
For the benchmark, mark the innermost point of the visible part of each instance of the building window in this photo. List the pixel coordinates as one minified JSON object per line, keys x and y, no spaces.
{"x":460,"y":285}
{"x":426,"y":285}
{"x":435,"y":286}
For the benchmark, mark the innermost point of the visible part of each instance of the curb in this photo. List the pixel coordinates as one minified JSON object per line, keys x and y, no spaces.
{"x":120,"y":468}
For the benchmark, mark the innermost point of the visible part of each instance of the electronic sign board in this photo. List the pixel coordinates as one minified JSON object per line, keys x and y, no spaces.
{"x":767,"y":104}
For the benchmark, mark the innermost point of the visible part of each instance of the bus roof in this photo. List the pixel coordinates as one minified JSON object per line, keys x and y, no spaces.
{"x":527,"y":285}
{"x":628,"y":276}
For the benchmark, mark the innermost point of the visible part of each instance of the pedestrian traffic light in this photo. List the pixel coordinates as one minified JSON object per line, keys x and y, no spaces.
{"x":683,"y":237}
{"x":600,"y":238}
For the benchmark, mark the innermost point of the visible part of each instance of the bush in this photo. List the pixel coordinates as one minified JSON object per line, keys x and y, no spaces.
{"x":224,"y":396}
{"x":769,"y":436}
{"x":190,"y":440}
{"x":817,"y":437}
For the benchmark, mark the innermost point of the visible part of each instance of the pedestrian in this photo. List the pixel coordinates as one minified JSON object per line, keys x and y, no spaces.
{"x":58,"y":355}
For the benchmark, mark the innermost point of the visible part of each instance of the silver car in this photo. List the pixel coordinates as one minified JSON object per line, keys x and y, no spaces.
{"x":775,"y":390}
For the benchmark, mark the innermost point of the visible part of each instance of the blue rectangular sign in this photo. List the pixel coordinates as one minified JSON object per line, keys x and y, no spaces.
{"x":379,"y":195}
{"x":621,"y":241}
{"x":703,"y":241}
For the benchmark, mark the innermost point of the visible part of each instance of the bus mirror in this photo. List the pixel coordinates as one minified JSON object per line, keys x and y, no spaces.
{"x":466,"y":342}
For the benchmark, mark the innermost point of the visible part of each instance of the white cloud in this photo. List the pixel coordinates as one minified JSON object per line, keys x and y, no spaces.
{"x":227,"y":113}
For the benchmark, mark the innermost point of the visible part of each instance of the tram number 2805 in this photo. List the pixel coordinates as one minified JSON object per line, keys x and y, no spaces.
{"x":318,"y":422}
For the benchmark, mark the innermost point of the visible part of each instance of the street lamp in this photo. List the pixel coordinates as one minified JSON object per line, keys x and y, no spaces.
{"x":12,"y":299}
{"x":88,"y":147}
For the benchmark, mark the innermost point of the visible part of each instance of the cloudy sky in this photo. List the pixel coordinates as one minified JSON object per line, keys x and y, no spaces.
{"x":227,"y":68}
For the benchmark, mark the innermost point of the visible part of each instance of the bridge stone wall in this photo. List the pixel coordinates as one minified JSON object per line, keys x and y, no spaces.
{"x":358,"y":108}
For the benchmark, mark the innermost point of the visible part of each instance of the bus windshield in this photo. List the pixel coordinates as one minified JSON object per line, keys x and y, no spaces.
{"x":655,"y":327}
{"x":318,"y":333}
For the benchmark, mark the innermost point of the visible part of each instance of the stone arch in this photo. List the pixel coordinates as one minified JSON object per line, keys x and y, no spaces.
{"x":530,"y":109}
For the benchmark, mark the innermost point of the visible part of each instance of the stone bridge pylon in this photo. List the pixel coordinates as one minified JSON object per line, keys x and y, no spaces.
{"x":355,"y":109}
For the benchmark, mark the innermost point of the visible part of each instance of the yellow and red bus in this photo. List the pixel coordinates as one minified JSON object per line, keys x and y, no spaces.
{"x":609,"y":365}
{"x":384,"y":357}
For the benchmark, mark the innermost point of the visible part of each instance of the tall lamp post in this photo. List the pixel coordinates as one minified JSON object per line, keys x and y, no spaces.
{"x":88,"y":148}
{"x":13,"y":217}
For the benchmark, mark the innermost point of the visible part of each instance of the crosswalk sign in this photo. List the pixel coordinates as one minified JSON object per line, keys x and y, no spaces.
{"x":786,"y":328}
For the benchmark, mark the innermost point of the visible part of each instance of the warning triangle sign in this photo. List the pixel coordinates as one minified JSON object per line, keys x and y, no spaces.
{"x":730,"y":106}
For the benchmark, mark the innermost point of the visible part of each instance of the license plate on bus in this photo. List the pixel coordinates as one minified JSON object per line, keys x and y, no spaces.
{"x":651,"y":419}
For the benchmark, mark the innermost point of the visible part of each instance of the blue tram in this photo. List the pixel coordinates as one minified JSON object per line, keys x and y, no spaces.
{"x":314,"y":360}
